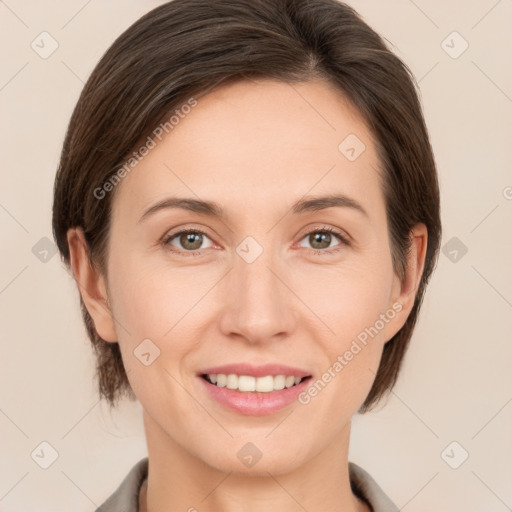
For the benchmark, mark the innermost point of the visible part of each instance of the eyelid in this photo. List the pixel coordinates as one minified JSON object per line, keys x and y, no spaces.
{"x":343,"y":235}
{"x":185,"y":228}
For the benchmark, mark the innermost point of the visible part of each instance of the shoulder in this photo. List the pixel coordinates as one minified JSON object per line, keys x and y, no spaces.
{"x":126,"y":497}
{"x":365,"y":487}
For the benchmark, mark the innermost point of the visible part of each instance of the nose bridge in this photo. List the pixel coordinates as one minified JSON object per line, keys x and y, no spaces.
{"x":260,"y":305}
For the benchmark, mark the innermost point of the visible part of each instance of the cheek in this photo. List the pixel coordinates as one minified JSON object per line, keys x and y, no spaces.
{"x":347,"y":299}
{"x":168,"y":306}
{"x":149,"y":299}
{"x":156,"y":338}
{"x":352,"y":304}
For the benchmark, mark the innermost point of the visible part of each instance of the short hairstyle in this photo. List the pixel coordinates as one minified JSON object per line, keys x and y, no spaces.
{"x":186,"y":48}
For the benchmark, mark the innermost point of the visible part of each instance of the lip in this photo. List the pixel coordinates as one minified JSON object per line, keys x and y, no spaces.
{"x":256,"y":371}
{"x":254,"y":403}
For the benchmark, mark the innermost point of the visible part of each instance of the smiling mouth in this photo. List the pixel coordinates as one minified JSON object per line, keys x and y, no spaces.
{"x":248,"y":383}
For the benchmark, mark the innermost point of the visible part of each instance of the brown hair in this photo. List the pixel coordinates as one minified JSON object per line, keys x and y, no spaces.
{"x":185,"y":48}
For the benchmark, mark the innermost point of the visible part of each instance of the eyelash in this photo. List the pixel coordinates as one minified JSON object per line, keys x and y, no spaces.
{"x":320,"y":252}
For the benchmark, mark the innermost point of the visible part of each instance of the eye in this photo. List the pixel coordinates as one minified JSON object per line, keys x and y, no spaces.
{"x":320,"y":240}
{"x":188,"y":240}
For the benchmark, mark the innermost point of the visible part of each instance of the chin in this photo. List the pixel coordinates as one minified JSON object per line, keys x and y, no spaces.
{"x":244,"y":457}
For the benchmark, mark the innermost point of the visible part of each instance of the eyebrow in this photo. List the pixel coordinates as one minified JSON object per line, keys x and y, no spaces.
{"x":213,"y":209}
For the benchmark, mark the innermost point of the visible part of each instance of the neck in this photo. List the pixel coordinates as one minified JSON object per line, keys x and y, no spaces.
{"x":177,"y":480}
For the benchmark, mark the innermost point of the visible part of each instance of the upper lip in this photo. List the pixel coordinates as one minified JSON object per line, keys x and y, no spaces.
{"x":256,"y":371}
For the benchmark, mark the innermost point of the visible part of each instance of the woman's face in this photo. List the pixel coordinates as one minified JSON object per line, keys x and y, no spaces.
{"x":265,"y":284}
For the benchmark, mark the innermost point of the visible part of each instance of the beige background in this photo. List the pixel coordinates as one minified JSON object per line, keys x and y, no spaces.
{"x":457,"y":381}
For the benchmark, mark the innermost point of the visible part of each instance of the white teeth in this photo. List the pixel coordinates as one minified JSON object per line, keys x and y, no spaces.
{"x":247,"y":383}
{"x":265,"y":384}
{"x":279,"y":381}
{"x":232,"y":381}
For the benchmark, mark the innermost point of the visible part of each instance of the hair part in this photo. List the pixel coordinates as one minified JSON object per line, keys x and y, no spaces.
{"x":187,"y":48}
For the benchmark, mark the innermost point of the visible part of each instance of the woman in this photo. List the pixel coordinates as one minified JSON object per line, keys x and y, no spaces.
{"x":248,"y":201}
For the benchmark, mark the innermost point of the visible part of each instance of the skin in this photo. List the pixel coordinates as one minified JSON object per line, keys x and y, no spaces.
{"x":255,"y":148}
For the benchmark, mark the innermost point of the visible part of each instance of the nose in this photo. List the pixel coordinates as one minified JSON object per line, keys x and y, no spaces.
{"x":259,"y":306}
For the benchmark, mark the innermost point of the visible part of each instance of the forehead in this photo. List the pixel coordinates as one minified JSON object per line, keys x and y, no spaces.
{"x":255,"y":144}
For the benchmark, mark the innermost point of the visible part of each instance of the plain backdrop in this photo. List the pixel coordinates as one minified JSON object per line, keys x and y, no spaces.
{"x":454,"y":396}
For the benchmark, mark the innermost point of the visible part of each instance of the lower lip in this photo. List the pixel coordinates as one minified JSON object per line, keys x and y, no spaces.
{"x":254,"y":403}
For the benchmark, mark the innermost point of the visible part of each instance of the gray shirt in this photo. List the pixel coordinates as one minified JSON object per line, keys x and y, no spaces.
{"x":126,"y":497}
